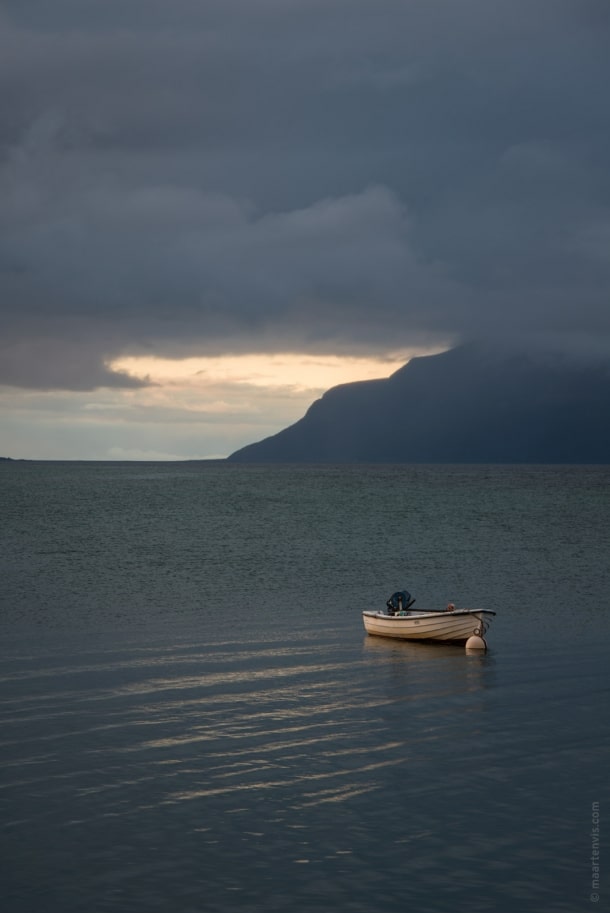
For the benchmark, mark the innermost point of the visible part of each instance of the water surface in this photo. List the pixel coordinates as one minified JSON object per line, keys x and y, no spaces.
{"x":194,"y":720}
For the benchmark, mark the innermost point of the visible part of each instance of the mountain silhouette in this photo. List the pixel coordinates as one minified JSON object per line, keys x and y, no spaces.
{"x":471,"y":404}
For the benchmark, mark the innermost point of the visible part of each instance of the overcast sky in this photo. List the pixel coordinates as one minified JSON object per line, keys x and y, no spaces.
{"x":335,"y":183}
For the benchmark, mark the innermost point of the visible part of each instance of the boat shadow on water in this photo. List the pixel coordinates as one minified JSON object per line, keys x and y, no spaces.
{"x":429,"y":667}
{"x":423,"y":651}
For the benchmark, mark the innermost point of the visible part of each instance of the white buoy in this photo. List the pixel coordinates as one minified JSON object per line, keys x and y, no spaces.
{"x":476,"y":642}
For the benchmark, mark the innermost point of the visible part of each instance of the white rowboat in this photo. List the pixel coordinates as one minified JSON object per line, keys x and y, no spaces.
{"x":451,"y":626}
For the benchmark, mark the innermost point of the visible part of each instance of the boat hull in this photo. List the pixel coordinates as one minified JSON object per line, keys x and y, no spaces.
{"x":448,"y":627}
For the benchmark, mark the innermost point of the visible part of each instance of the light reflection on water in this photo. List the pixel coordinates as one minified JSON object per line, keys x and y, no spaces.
{"x":201,"y":777}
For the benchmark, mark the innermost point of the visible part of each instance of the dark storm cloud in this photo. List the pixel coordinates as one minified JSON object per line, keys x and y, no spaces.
{"x":186,"y":177}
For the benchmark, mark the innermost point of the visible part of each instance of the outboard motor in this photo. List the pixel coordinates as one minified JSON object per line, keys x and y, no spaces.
{"x":399,"y":602}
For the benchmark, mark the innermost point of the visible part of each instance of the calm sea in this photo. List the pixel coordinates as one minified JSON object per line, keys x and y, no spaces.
{"x":194,"y":721}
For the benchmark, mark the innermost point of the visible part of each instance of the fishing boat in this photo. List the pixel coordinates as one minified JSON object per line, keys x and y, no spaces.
{"x":450,"y":625}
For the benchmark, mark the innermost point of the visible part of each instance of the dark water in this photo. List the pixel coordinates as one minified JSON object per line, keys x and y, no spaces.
{"x":193,"y":719}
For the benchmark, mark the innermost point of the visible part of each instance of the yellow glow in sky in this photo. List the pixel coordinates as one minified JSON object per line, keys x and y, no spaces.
{"x":299,"y":372}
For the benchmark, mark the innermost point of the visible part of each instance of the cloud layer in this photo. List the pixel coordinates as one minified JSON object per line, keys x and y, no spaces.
{"x":193,"y":178}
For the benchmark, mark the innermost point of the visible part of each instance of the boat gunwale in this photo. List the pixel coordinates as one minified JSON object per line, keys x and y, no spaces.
{"x":431,"y":613}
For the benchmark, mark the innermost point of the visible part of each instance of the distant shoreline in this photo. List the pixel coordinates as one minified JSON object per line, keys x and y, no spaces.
{"x":224,"y":461}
